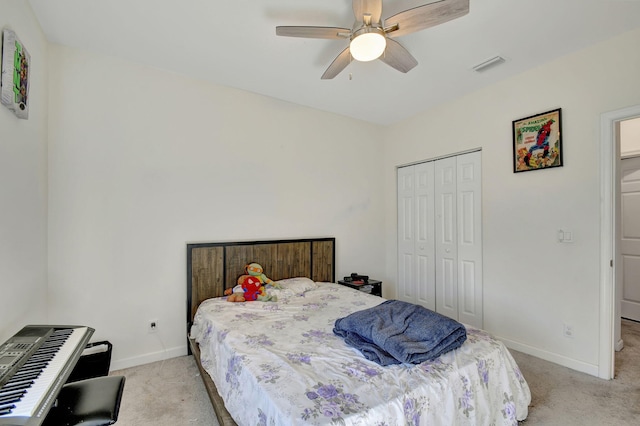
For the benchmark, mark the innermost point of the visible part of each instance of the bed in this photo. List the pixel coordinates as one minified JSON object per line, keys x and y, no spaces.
{"x":276,"y":363}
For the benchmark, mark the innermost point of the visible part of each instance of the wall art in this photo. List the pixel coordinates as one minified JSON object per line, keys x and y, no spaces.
{"x":537,"y":141}
{"x":14,"y":84}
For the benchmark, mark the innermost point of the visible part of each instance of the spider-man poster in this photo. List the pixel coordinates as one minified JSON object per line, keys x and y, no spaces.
{"x":537,"y":141}
{"x":15,"y":75}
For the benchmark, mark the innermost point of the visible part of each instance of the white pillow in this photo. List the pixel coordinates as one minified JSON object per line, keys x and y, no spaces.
{"x":297,"y":285}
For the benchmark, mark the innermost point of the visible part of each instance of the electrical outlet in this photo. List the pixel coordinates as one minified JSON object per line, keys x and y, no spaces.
{"x":568,"y":331}
{"x":153,"y":326}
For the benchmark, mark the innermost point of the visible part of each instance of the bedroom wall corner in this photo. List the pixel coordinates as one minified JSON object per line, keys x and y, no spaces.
{"x":23,"y":185}
{"x":533,"y":284}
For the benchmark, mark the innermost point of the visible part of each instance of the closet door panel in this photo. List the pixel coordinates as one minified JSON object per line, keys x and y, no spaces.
{"x":405,"y":278}
{"x":425,"y":277}
{"x":425,"y":241}
{"x":446,"y":237}
{"x":467,"y":289}
{"x":466,"y":221}
{"x":447,"y":293}
{"x":469,"y":244}
{"x":406,"y":234}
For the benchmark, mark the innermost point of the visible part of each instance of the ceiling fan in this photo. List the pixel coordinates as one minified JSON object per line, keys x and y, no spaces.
{"x":372,"y":38}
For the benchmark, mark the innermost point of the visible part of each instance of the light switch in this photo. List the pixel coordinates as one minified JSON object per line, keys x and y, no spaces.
{"x":565,"y":236}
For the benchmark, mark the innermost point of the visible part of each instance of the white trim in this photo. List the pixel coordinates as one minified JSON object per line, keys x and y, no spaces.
{"x":455,"y":154}
{"x":630,"y":154}
{"x":608,"y":157}
{"x":574,"y":364}
{"x":148,"y":358}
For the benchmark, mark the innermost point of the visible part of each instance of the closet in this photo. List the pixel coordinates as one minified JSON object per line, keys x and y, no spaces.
{"x":440,"y":236}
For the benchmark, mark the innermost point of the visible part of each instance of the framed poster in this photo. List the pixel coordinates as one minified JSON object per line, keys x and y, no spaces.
{"x":537,"y":141}
{"x":14,"y":85}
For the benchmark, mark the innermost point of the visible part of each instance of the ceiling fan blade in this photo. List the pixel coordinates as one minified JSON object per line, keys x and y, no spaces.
{"x":374,"y":7}
{"x":314,"y":32}
{"x":339,"y":63}
{"x":425,"y":16}
{"x":398,"y":57}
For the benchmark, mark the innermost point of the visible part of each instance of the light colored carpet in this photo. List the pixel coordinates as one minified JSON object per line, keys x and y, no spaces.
{"x":564,"y":397}
{"x":165,"y":393}
{"x":171,"y":393}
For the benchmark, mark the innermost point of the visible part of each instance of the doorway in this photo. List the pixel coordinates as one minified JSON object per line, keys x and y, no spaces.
{"x":610,"y":256}
{"x":629,"y":216}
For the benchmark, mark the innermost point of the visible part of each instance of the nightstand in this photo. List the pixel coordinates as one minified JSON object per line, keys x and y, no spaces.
{"x":372,"y":286}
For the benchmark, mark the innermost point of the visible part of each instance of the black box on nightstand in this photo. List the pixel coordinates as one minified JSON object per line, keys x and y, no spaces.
{"x":370,"y":286}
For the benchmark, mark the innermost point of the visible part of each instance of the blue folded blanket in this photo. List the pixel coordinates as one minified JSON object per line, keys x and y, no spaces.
{"x":397,"y":332}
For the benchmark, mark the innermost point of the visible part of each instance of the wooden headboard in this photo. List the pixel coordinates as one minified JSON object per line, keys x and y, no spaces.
{"x":213,"y":267}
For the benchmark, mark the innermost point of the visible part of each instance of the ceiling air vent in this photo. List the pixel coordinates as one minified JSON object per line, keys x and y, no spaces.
{"x":489,"y":63}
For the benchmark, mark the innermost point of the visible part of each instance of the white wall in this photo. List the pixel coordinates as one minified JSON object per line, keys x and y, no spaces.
{"x":532,"y":284}
{"x":144,"y":161}
{"x":23,"y":186}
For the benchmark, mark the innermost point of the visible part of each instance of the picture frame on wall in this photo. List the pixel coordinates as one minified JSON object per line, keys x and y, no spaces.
{"x":537,"y":141}
{"x":14,"y":82}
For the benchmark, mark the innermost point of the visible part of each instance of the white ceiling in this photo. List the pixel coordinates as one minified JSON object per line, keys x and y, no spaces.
{"x":233,"y":43}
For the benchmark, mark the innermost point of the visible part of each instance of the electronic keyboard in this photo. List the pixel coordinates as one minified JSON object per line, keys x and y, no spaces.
{"x":34,"y":364}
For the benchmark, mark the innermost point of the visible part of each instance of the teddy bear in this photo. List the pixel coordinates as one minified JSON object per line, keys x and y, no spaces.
{"x":250,"y":286}
{"x":235,"y":294}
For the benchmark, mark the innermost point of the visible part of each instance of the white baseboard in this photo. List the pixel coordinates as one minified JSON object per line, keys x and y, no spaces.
{"x":574,"y":364}
{"x":120,"y":364}
{"x":619,"y":345}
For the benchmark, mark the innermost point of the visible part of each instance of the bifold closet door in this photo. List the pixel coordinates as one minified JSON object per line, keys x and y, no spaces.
{"x":416,"y":250}
{"x":458,"y":236}
{"x":440,"y":236}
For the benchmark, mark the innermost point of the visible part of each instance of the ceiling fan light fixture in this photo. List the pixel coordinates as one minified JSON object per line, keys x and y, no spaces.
{"x":370,"y":39}
{"x":368,"y":44}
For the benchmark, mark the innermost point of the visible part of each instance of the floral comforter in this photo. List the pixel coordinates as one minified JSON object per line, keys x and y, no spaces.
{"x":278,"y":363}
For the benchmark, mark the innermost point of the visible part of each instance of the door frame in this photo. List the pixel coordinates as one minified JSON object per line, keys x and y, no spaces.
{"x":609,"y":311}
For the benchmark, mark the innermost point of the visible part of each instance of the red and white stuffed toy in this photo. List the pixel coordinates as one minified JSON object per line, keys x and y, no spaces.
{"x":250,"y":287}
